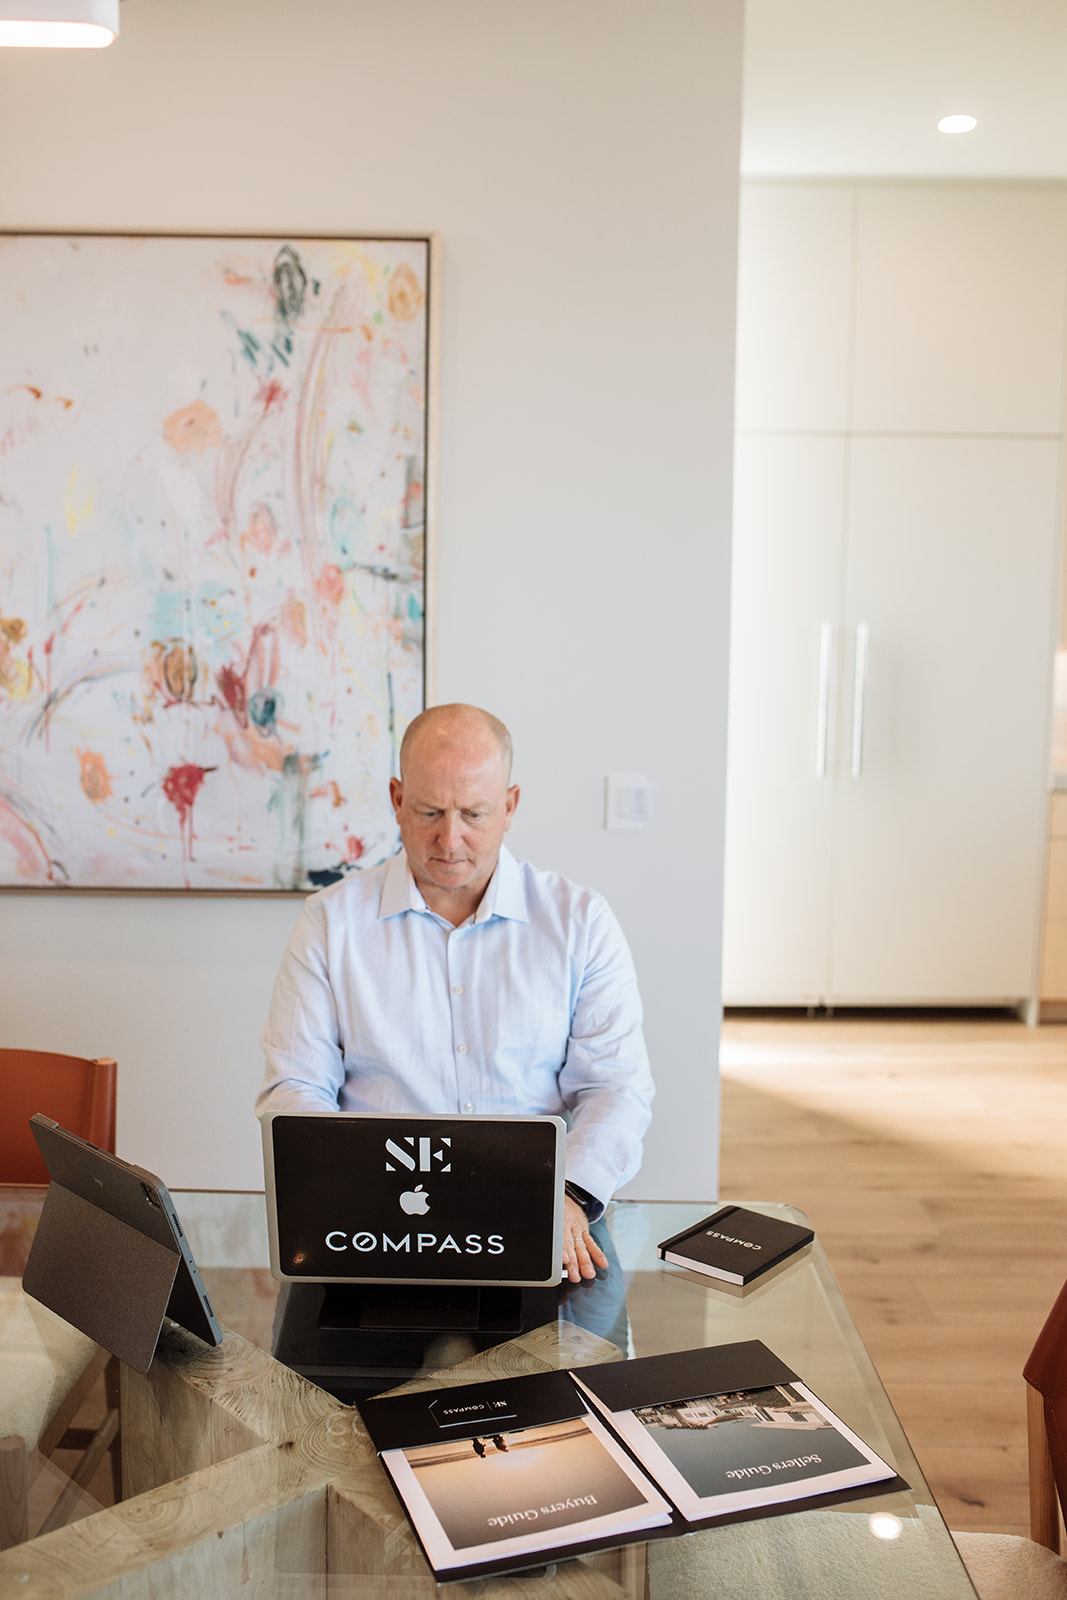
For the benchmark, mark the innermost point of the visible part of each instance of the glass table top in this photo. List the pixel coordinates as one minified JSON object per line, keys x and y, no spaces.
{"x":277,"y":1474}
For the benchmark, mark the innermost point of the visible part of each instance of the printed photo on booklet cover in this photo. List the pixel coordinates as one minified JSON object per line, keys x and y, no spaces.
{"x":717,"y":1454}
{"x":522,"y":1491}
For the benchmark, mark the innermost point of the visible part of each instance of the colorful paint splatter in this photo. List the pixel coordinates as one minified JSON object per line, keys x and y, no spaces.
{"x":212,"y":542}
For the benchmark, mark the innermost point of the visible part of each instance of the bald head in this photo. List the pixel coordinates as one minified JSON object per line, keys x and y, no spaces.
{"x":454,"y":804}
{"x":457,"y":728}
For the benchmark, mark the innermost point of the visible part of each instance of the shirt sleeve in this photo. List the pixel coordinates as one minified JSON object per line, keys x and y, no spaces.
{"x":301,"y":1040}
{"x":606,"y":1081}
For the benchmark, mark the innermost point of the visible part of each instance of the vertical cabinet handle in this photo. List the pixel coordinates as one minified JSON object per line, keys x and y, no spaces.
{"x":822,"y":721}
{"x":859,"y":695}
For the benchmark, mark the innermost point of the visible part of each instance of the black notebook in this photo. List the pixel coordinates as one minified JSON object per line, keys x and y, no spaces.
{"x":735,"y":1244}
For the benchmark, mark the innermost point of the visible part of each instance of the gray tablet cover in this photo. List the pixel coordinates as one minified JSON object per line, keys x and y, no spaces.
{"x":109,"y":1255}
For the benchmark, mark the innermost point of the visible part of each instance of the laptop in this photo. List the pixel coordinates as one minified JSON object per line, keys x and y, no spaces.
{"x":393,"y":1232}
{"x":109,"y":1255}
{"x":409,"y":1199}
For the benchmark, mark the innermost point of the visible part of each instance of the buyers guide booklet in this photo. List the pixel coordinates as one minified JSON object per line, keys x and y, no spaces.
{"x":509,"y":1473}
{"x":731,"y":1429}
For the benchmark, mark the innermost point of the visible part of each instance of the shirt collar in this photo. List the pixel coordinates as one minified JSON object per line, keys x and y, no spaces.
{"x":400,"y":892}
{"x":505,"y":894}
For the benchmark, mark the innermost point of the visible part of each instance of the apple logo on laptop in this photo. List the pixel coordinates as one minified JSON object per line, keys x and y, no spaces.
{"x":414,"y":1201}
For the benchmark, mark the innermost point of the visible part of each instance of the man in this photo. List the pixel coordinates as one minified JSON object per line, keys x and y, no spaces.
{"x":455,"y":978}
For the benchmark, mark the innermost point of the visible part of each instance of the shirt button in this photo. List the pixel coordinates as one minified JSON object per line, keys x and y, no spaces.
{"x":463,"y":1049}
{"x":469,"y":1106}
{"x":458,"y":989}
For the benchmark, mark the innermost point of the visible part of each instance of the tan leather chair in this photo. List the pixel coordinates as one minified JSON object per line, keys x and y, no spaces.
{"x":47,"y":1371}
{"x":79,"y":1092}
{"x":1002,"y":1567}
{"x":76,"y":1091}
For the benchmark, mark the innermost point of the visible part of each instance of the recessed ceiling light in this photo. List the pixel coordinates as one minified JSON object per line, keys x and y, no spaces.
{"x":957,"y":124}
{"x":66,"y":24}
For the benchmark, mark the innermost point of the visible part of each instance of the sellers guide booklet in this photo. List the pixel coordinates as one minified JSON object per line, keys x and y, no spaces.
{"x":516,"y":1472}
{"x":735,"y":1244}
{"x":731,"y":1429}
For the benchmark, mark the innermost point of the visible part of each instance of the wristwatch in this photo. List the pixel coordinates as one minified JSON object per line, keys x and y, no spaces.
{"x":583,"y":1197}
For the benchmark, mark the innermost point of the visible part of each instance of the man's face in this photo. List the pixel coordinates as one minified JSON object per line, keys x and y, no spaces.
{"x":453,"y":806}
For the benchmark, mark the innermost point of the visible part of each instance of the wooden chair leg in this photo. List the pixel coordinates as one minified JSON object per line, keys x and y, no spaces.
{"x":14,"y":1511}
{"x":112,"y":1390}
{"x":105,"y":1440}
{"x":83,"y":1473}
{"x":1044,"y":1501}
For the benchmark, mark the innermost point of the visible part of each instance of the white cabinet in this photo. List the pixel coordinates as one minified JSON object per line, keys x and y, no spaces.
{"x":1054,"y":947}
{"x":789,"y":506}
{"x":794,"y":306}
{"x":959,"y":309}
{"x":939,"y":840}
{"x":894,"y":600}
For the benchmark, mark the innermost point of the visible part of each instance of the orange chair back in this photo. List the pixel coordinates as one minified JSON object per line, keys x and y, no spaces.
{"x":77,"y":1092}
{"x":1046,"y":1373}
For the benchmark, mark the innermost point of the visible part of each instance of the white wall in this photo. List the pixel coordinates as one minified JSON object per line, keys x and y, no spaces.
{"x":579,"y":160}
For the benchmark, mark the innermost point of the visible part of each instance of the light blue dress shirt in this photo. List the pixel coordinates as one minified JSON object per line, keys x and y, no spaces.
{"x":530,"y":1006}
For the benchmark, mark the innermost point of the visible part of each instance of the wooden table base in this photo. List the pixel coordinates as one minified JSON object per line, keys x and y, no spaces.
{"x":241,"y":1477}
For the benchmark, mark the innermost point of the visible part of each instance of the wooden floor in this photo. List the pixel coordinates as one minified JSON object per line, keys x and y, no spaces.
{"x":931,"y":1157}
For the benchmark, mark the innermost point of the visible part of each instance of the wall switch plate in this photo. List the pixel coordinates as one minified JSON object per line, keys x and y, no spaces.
{"x":627,"y":800}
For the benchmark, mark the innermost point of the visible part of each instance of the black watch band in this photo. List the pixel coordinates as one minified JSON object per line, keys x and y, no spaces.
{"x":582,"y":1196}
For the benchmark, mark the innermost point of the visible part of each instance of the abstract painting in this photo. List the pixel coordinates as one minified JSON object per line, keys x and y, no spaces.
{"x":213,"y":465}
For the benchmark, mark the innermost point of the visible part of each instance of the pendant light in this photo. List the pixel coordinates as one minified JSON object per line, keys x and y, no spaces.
{"x":67,"y":24}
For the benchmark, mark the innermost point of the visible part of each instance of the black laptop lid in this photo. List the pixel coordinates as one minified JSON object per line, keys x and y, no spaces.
{"x":384,"y":1198}
{"x":109,"y":1255}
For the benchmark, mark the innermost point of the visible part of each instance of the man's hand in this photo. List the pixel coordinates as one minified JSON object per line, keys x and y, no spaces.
{"x":581,"y":1253}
